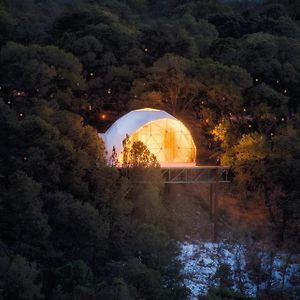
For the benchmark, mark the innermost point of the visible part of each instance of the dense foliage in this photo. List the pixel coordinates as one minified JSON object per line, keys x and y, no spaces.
{"x":72,"y":227}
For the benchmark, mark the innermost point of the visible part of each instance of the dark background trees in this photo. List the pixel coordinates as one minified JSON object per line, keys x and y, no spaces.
{"x":72,"y":227}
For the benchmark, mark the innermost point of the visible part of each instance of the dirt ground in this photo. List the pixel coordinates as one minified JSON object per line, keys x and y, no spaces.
{"x":189,"y":213}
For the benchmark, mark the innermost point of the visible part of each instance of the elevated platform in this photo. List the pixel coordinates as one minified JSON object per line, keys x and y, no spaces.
{"x":195,"y":174}
{"x":190,"y":173}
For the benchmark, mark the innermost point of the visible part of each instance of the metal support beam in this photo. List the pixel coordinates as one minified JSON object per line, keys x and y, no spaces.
{"x":199,"y":174}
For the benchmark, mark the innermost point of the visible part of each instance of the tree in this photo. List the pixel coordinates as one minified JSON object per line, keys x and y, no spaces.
{"x":47,"y":72}
{"x":80,"y":230}
{"x":22,"y":216}
{"x":136,"y":154}
{"x":20,"y":279}
{"x":75,"y":280}
{"x":167,"y":85}
{"x":113,"y":160}
{"x":224,"y":277}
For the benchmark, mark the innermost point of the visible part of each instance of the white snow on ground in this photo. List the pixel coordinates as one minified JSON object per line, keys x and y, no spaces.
{"x":201,"y":260}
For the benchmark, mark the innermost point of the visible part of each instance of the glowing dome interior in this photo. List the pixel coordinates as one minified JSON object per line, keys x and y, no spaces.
{"x":165,"y":136}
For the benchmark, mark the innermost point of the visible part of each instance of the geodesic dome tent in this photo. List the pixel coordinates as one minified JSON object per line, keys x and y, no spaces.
{"x":165,"y":136}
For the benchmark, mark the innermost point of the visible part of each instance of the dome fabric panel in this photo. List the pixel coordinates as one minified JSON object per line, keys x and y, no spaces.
{"x":165,"y":136}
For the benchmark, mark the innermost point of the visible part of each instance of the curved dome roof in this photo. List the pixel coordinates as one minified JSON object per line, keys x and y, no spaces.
{"x":151,"y":127}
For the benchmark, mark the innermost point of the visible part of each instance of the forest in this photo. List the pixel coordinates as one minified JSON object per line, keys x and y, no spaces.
{"x":71,"y":226}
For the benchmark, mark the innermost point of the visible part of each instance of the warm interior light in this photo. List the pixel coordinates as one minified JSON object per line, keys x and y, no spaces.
{"x":103,"y":116}
{"x":169,"y":140}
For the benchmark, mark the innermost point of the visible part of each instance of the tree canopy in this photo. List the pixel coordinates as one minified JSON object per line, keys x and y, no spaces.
{"x":71,"y":226}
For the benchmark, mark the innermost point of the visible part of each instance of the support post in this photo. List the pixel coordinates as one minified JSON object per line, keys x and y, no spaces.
{"x":211,"y":200}
{"x":216,"y":208}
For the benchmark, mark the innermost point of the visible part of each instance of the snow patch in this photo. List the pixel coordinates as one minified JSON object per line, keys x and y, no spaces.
{"x":200,"y":262}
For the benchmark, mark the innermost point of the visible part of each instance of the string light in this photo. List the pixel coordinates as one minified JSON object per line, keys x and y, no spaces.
{"x":271,"y":134}
{"x":244,"y":109}
{"x":256,"y":79}
{"x":207,"y":120}
{"x":250,"y":126}
{"x":109,"y":91}
{"x":25,"y":158}
{"x":277,"y":81}
{"x":90,"y":107}
{"x":91,"y":74}
{"x":285,"y":91}
{"x":8,"y":102}
{"x":282,"y":119}
{"x":146,"y":49}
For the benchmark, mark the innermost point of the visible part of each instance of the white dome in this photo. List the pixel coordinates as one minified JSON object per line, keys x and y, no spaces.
{"x":165,"y":136}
